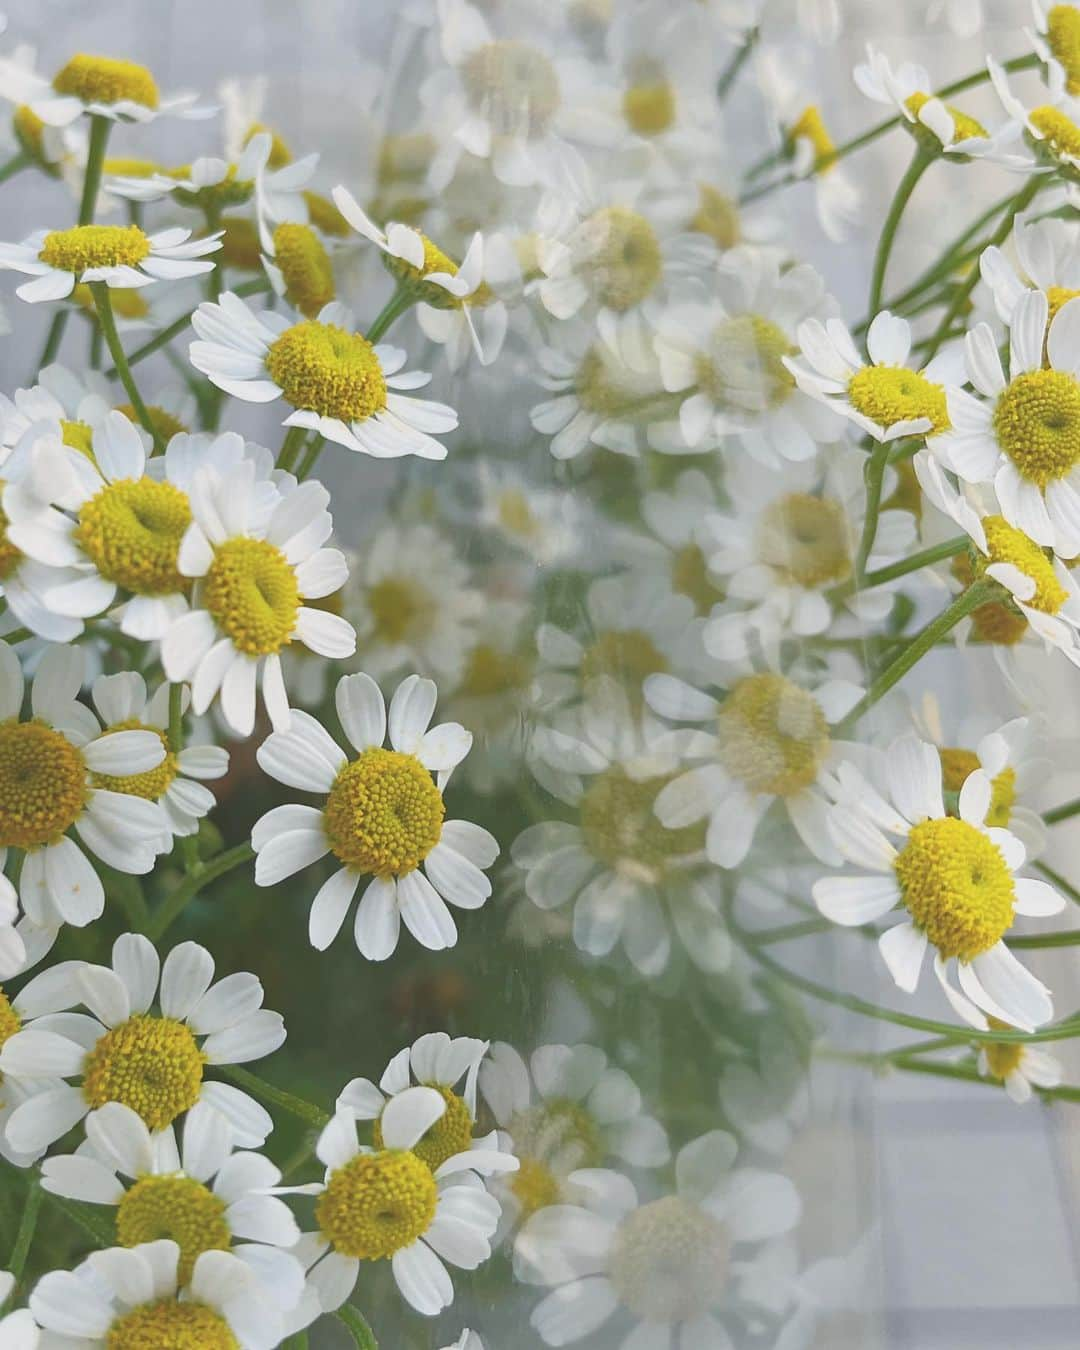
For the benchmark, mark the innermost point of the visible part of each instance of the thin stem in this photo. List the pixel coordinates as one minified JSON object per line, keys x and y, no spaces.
{"x":175,"y":904}
{"x":103,"y":304}
{"x":175,"y":328}
{"x":176,"y":718}
{"x":1065,"y":938}
{"x":920,"y":162}
{"x":27,"y":1227}
{"x":926,"y":557}
{"x":95,"y":162}
{"x":128,"y":891}
{"x":358,"y":1325}
{"x":1065,"y":887}
{"x":968,"y":600}
{"x":1064,"y":812}
{"x":402,"y":299}
{"x":874,"y":475}
{"x":16,"y":163}
{"x":53,"y":338}
{"x":789,"y":932}
{"x":296,"y":1106}
{"x":311,"y":458}
{"x":735,"y":65}
{"x":290,"y":447}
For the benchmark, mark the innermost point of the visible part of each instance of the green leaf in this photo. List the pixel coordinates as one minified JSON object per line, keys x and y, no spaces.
{"x":362,"y":1334}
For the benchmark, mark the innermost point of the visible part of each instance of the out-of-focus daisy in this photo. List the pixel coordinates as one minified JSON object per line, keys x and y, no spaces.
{"x":386,"y":1203}
{"x":666,"y":1263}
{"x":1050,"y":129}
{"x":98,"y":86}
{"x":936,"y":126}
{"x":952,"y":874}
{"x":1056,"y":38}
{"x":1019,"y":1068}
{"x":547,"y":524}
{"x":885,"y":398}
{"x":1047,"y":258}
{"x":383,"y":817}
{"x":122,"y":1296}
{"x":1022,"y":434}
{"x":567,"y":1108}
{"x":152,"y":1062}
{"x":198,"y":1193}
{"x":52,"y":766}
{"x":678,"y":543}
{"x":121,"y":256}
{"x":254,"y":573}
{"x":338,"y":383}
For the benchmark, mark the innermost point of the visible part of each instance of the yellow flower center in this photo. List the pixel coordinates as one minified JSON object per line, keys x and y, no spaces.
{"x":810,"y":126}
{"x":805,"y":539}
{"x":10,"y":1021}
{"x":325,"y":216}
{"x":9,"y":554}
{"x":891,"y":394}
{"x":649,"y":109}
{"x":669,"y":1261}
{"x":513,"y":85}
{"x":514,"y":513}
{"x":435,"y":260}
{"x":151,"y":1064}
{"x":490,"y":672}
{"x":690,"y":576}
{"x":405,"y":157}
{"x":164,"y":422}
{"x":131,"y":168}
{"x":451,"y":1134}
{"x":743,"y":364}
{"x":305,"y":268}
{"x":717,"y":216}
{"x":101,"y":79}
{"x":280,"y":154}
{"x":253,"y":595}
{"x":1007,"y":544}
{"x":623,"y":262}
{"x":620,"y":827}
{"x":377,"y":1204}
{"x":178,"y":1208}
{"x":999,"y":621}
{"x":324,"y":369}
{"x":958,"y":764}
{"x":42,"y":784}
{"x":384,"y":813}
{"x":213,"y":198}
{"x":127,"y":301}
{"x":131,"y":531}
{"x":773,"y":736}
{"x":1002,"y":1058}
{"x":626,"y":655}
{"x":240,"y":245}
{"x":29,"y":131}
{"x":169,"y":1325}
{"x":1057,"y":297}
{"x":78,"y":435}
{"x":956,"y":886}
{"x":534,"y":1185}
{"x":152,"y":784}
{"x":1037,"y":424}
{"x":1059,"y":132}
{"x":551,"y":1140}
{"x":1063,"y":39}
{"x":601,"y":390}
{"x":86,"y":246}
{"x":966,"y":127}
{"x":399,"y":606}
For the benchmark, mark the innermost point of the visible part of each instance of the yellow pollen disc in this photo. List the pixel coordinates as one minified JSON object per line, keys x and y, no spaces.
{"x":321,"y":368}
{"x":534,"y":1185}
{"x":559,"y":1133}
{"x":399,"y":607}
{"x":280,"y":154}
{"x":891,"y":394}
{"x":601,"y":389}
{"x":1063,"y":39}
{"x":165,"y":424}
{"x":1002,"y":1058}
{"x":623,"y":259}
{"x":805,"y":539}
{"x":956,"y":886}
{"x":101,"y":79}
{"x":690,"y":576}
{"x":9,"y":554}
{"x":252,"y":594}
{"x":240,"y":246}
{"x":1057,"y":297}
{"x":1007,"y":544}
{"x":405,"y":157}
{"x":127,"y":301}
{"x":42,"y":784}
{"x":626,"y":655}
{"x":966,"y":127}
{"x":86,"y":246}
{"x":1037,"y":424}
{"x":773,"y":736}
{"x":435,"y":260}
{"x":325,"y":216}
{"x":178,"y":1208}
{"x":305,"y":267}
{"x":958,"y":764}
{"x":515,"y":515}
{"x":169,"y":1325}
{"x":649,"y":109}
{"x":669,"y":1261}
{"x":513,"y":85}
{"x":131,"y":531}
{"x":1059,"y":132}
{"x":79,"y":436}
{"x":743,"y":364}
{"x":810,"y":126}
{"x":384,"y":813}
{"x":151,"y":784}
{"x":490,"y":672}
{"x":10,"y":1021}
{"x":151,"y":1064}
{"x":451,"y":1133}
{"x":131,"y":168}
{"x":621,"y":829}
{"x":377,"y":1204}
{"x":999,"y":622}
{"x":717,"y":216}
{"x":29,"y":131}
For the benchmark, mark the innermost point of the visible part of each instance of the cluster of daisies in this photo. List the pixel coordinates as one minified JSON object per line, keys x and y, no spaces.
{"x":638,"y":671}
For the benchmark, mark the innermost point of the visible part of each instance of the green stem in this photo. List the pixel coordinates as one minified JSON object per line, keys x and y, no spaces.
{"x":16,"y":163}
{"x":789,"y":932}
{"x":175,"y":328}
{"x":403,"y":299}
{"x":358,"y":1325}
{"x":1064,"y":812}
{"x":275,"y":1096}
{"x":103,"y":304}
{"x":926,"y":557}
{"x":874,"y":476}
{"x":27,"y":1227}
{"x":128,"y":891}
{"x":53,"y":338}
{"x":290,"y":447}
{"x":975,"y":595}
{"x":967,"y":1074}
{"x":311,"y":458}
{"x":731,"y":72}
{"x":176,"y":718}
{"x":1066,"y":938}
{"x":920,"y":162}
{"x":95,"y":162}
{"x":175,"y":904}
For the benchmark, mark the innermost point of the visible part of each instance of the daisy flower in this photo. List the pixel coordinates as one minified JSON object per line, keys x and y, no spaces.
{"x":546,"y":524}
{"x":386,"y":1203}
{"x":339,"y":384}
{"x":663,"y":1265}
{"x":197,"y":1193}
{"x":1050,"y":131}
{"x":1020,"y":1069}
{"x":885,"y":398}
{"x":152,"y":1062}
{"x":57,"y":768}
{"x":765,"y":739}
{"x":952,"y":874}
{"x":434,"y":1061}
{"x":678,"y":543}
{"x":936,"y":126}
{"x":121,"y":256}
{"x":1047,"y":259}
{"x":98,"y":86}
{"x":1056,"y":38}
{"x":565,"y":1109}
{"x":254,"y":571}
{"x":132,"y":1297}
{"x":1022,"y":434}
{"x":383,"y":817}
